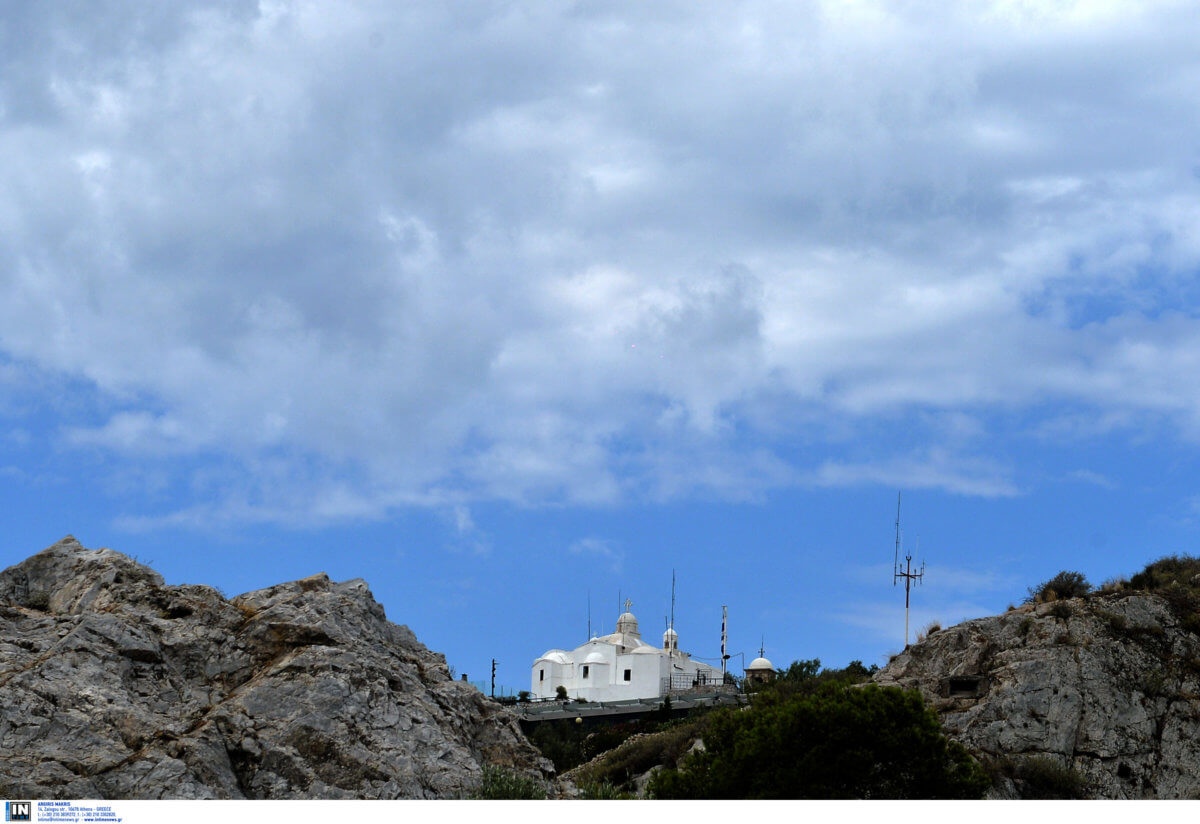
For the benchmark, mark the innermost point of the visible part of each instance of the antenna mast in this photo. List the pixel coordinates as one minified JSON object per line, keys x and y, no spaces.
{"x":672,"y":625}
{"x":907,"y":573}
{"x":589,"y":615}
{"x":896,"y":554}
{"x":724,"y":656}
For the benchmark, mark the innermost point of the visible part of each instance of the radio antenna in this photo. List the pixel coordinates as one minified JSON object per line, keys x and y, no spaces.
{"x":896,"y":554}
{"x":672,"y":626}
{"x":907,"y":574}
{"x":589,"y":615}
{"x":724,"y":638}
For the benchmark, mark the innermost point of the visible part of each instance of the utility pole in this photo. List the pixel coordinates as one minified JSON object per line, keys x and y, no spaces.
{"x":907,"y":573}
{"x":493,"y":677}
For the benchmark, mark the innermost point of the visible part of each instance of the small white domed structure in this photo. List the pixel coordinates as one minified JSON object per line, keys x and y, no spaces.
{"x":670,"y":639}
{"x":760,"y":670}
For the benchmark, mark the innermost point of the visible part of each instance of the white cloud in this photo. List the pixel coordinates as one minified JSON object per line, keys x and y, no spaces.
{"x":935,"y":470}
{"x":601,"y":548}
{"x":886,"y":621}
{"x":556,"y":254}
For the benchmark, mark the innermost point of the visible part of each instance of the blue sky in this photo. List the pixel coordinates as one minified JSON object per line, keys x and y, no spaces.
{"x":504,"y":306}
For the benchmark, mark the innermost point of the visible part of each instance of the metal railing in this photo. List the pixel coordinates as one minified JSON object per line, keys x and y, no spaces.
{"x":687,"y":682}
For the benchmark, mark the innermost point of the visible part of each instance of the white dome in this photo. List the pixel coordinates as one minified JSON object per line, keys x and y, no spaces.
{"x":670,"y":633}
{"x":760,"y":664}
{"x":596,"y":657}
{"x":555,"y":656}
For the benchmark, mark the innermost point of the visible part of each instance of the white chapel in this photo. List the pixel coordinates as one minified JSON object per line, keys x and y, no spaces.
{"x":621,"y":666}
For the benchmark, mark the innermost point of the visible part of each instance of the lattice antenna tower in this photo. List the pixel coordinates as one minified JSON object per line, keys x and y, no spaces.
{"x":905,"y":572}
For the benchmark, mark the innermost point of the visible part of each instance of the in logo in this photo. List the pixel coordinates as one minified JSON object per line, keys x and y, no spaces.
{"x":18,"y":811}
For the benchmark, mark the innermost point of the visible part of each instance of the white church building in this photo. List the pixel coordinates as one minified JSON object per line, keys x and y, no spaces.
{"x":621,"y":666}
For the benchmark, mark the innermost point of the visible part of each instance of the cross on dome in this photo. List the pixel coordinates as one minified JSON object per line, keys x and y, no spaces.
{"x":628,"y":604}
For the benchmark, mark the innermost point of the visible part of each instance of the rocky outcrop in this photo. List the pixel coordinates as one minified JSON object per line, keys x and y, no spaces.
{"x":114,"y":685}
{"x":1106,"y":689}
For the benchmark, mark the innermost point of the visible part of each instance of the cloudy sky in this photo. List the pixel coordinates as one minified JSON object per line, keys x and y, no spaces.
{"x":505,"y":306}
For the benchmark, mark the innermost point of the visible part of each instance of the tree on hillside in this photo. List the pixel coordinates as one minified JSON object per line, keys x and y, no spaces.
{"x":838,"y":742}
{"x":806,"y":676}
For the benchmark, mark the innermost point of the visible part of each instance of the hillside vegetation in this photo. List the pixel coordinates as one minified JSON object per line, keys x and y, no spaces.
{"x":817,"y":736}
{"x":810,"y":734}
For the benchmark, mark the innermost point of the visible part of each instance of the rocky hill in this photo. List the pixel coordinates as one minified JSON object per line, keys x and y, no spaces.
{"x":114,"y":685}
{"x":1094,"y":697}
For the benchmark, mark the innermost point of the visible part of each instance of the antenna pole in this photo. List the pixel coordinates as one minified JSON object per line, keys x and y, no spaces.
{"x":896,"y":554}
{"x":907,"y":574}
{"x":724,"y":622}
{"x":672,"y":599}
{"x":589,"y":615}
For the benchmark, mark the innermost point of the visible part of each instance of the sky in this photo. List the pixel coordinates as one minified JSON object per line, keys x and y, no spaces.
{"x":511,"y":309}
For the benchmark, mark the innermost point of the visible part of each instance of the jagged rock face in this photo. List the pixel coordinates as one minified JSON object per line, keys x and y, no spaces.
{"x":1108,"y":686}
{"x":114,"y":685}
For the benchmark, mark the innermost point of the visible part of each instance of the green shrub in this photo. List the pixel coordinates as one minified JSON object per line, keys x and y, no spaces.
{"x":839,"y":742}
{"x":39,"y":600}
{"x":1060,"y":611}
{"x":1191,"y":623}
{"x":1116,"y":623}
{"x":601,"y":791}
{"x":929,"y":629}
{"x":1177,"y":579}
{"x":1025,"y":625}
{"x":500,"y":784}
{"x":637,"y":755}
{"x":1045,"y":778}
{"x":1180,"y":569}
{"x":1063,"y":585}
{"x":805,"y":677}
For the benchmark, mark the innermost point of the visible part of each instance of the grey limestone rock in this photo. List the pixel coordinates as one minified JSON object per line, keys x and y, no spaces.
{"x":114,"y":685}
{"x":1107,"y":686}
